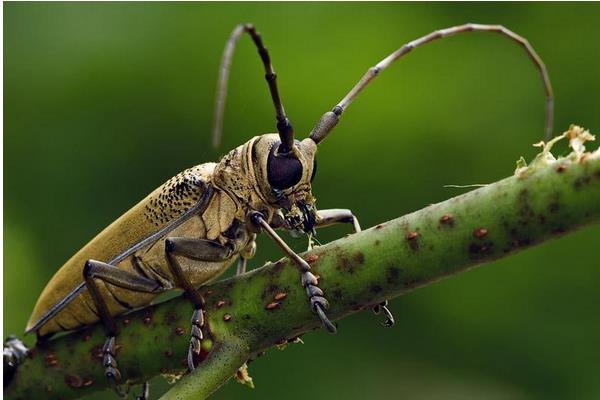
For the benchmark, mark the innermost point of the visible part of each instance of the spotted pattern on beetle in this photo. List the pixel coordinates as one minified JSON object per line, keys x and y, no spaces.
{"x":175,"y":197}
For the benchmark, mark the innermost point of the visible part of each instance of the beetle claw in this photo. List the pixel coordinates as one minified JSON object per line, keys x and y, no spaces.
{"x":330,"y":326}
{"x":389,"y":317}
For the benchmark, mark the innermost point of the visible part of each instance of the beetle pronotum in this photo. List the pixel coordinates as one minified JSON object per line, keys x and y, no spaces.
{"x":193,"y":227}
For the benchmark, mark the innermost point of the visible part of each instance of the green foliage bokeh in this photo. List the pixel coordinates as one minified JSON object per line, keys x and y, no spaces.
{"x":104,"y":101}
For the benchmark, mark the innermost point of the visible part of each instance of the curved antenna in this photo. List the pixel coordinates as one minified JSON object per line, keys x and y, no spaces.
{"x":284,"y":127}
{"x":330,"y":119}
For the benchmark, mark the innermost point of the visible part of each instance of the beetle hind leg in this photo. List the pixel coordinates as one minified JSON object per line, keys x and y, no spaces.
{"x":110,"y":274}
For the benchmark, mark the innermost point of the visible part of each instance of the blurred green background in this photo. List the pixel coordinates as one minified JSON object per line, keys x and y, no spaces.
{"x":103,"y":102}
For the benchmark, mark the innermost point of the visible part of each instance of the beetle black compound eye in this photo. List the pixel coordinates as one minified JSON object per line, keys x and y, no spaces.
{"x":314,"y":171}
{"x":283,"y":171}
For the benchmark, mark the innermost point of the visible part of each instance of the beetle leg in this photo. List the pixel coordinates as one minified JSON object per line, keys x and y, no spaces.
{"x":318,"y":303}
{"x":337,"y":216}
{"x":241,"y":266}
{"x":197,"y":249}
{"x":14,"y":351}
{"x":246,"y":254}
{"x":124,"y":279}
{"x":145,"y":392}
{"x":389,"y":317}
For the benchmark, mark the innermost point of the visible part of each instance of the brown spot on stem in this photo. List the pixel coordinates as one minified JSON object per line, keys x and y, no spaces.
{"x":561,"y":168}
{"x":480,"y":233}
{"x":96,"y":353}
{"x":227,"y":317}
{"x":52,"y":363}
{"x":126,"y":321}
{"x":542,"y":219}
{"x":359,"y":257}
{"x":581,"y":182}
{"x":50,"y":360}
{"x":208,"y":292}
{"x":345,"y":264}
{"x":73,"y":381}
{"x":273,"y":305}
{"x":179,"y":331}
{"x":171,"y":318}
{"x":220,"y":303}
{"x":447,"y":219}
{"x":147,"y":318}
{"x":393,"y":275}
{"x":412,"y":239}
{"x":87,"y":382}
{"x":379,"y":226}
{"x":480,"y":249}
{"x":280,"y":296}
{"x":312,"y":258}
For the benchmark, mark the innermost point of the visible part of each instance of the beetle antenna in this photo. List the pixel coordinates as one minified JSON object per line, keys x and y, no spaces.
{"x":330,"y":119}
{"x":284,"y":127}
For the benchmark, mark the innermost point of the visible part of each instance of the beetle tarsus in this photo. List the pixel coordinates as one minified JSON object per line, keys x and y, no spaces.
{"x":196,"y":338}
{"x":389,"y":317}
{"x":14,"y":352}
{"x":111,"y":369}
{"x":318,"y":303}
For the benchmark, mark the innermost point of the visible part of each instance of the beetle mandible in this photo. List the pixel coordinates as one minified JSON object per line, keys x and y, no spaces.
{"x":193,"y":227}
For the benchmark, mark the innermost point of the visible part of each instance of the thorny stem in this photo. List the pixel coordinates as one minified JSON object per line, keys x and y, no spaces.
{"x":248,"y":314}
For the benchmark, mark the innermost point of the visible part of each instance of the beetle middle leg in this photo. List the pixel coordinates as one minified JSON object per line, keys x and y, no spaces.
{"x":124,"y":279}
{"x":196,"y":249}
{"x":341,"y":216}
{"x":246,"y":254}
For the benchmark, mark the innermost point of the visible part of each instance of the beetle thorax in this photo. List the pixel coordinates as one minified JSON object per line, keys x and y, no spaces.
{"x":258,"y":178}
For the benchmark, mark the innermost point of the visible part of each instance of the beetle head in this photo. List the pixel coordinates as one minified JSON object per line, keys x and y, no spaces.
{"x":285,"y":179}
{"x":265,"y":179}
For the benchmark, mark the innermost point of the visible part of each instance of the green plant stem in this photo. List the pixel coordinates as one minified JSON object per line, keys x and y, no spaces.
{"x":355,"y":272}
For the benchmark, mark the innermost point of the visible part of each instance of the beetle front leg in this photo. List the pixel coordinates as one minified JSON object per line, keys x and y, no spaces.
{"x":124,"y":279}
{"x":318,"y":303}
{"x":197,"y":249}
{"x":344,"y":216}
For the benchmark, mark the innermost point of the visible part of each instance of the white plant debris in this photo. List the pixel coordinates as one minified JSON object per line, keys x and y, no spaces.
{"x":284,"y":345}
{"x":243,"y":377}
{"x":576,"y":135}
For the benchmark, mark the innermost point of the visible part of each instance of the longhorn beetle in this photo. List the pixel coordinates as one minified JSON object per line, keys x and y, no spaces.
{"x":194,"y":226}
